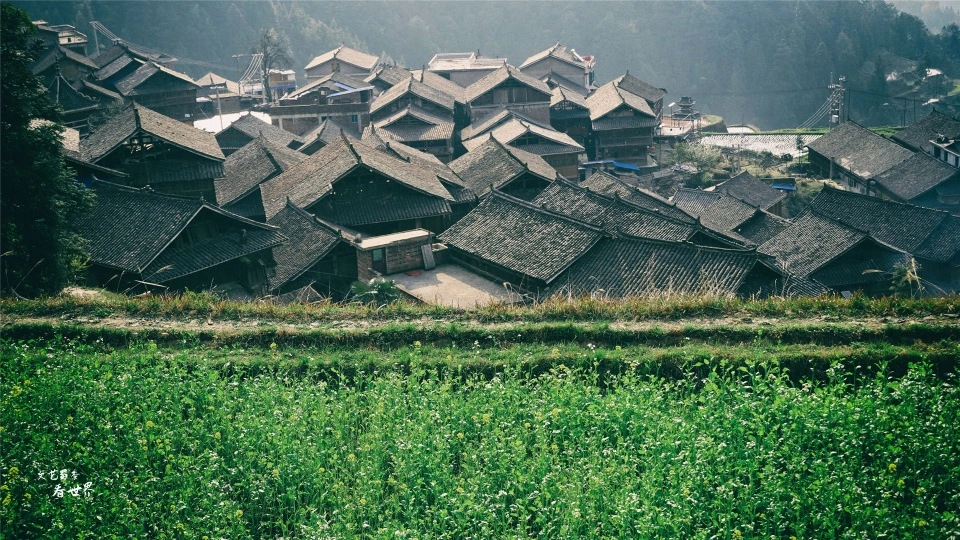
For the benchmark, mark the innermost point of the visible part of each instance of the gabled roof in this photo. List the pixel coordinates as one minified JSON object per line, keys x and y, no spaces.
{"x":726,"y":214}
{"x":639,"y":88}
{"x":100,"y":92}
{"x":555,"y":142}
{"x":610,"y":185}
{"x":695,"y":201}
{"x":558,"y":52}
{"x":342,"y":53}
{"x":246,"y":168}
{"x":612,"y":213}
{"x":859,"y":150}
{"x":561,"y":94}
{"x":628,"y":267}
{"x":416,"y":88}
{"x":335,"y":80}
{"x":131,"y":230}
{"x":761,"y":227}
{"x":443,"y":84}
{"x":521,"y":237}
{"x":610,"y":97}
{"x":135,"y":118}
{"x":254,"y":127}
{"x":59,"y":53}
{"x":495,"y":164}
{"x":903,"y":226}
{"x":128,"y":85}
{"x":555,"y":80}
{"x":327,"y":132}
{"x":748,"y":189}
{"x":116,"y":66}
{"x":420,"y":125}
{"x":918,"y":136}
{"x":309,"y":241}
{"x":212,"y":79}
{"x":389,"y":75}
{"x":943,"y":243}
{"x":313,"y":178}
{"x":915,"y":176}
{"x":500,"y":76}
{"x":373,"y":138}
{"x":811,"y":242}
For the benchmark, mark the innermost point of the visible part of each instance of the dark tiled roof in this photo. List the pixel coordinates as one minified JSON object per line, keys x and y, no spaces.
{"x":313,"y":178}
{"x":420,"y":126}
{"x":309,"y":241}
{"x":57,"y":54}
{"x":100,"y":92}
{"x":521,"y":237}
{"x":129,"y":85}
{"x":389,"y":75}
{"x":611,"y":97}
{"x":128,"y":229}
{"x":496,"y":164}
{"x":919,"y":135}
{"x":498,"y":77}
{"x":63,"y":93}
{"x":726,"y":214}
{"x":357,"y":211}
{"x":621,"y":268}
{"x":915,"y":176}
{"x":564,"y":197}
{"x":559,"y":52}
{"x":252,"y":127}
{"x":943,"y":243}
{"x":561,"y":94}
{"x":810,"y":243}
{"x":443,"y":84}
{"x":623,"y":122}
{"x":859,"y":150}
{"x":748,"y":189}
{"x":609,"y":185}
{"x":174,"y":170}
{"x":639,"y":88}
{"x":114,"y":67}
{"x":335,"y":82}
{"x":257,"y":161}
{"x":877,"y":268}
{"x":108,"y":55}
{"x":903,"y":226}
{"x":761,"y":227}
{"x":135,"y":118}
{"x":327,"y":132}
{"x":416,"y":88}
{"x":557,"y":81}
{"x":695,"y":201}
{"x":553,"y":141}
{"x":177,"y":262}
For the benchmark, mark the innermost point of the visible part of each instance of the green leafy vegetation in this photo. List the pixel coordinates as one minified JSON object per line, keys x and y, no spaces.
{"x":192,"y":442}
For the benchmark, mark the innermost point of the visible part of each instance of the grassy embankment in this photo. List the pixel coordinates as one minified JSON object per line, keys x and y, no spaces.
{"x":431,"y":423}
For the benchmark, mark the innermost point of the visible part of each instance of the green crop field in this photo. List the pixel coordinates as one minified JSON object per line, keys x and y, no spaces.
{"x":527,"y":425}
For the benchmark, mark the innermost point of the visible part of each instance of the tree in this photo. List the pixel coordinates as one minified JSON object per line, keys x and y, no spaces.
{"x":276,"y":55}
{"x":38,"y":196}
{"x":702,"y":158}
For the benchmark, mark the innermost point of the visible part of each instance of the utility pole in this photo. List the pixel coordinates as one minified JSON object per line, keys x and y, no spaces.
{"x":836,"y":101}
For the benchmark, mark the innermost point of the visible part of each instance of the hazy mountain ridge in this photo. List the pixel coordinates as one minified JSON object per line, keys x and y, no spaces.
{"x":765,"y":62}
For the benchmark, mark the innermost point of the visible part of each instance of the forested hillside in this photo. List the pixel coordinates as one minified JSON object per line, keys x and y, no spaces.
{"x":766,"y":63}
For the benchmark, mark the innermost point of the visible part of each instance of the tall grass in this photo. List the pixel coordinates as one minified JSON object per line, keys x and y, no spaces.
{"x":175,"y":448}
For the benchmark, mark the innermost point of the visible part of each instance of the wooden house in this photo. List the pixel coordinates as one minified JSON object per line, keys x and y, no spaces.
{"x":921,"y":180}
{"x":624,"y":115}
{"x":260,"y":160}
{"x":248,"y":128}
{"x":343,"y":98}
{"x":556,"y":148}
{"x":509,"y":240}
{"x":752,"y":191}
{"x":157,"y":151}
{"x":413,"y":93}
{"x":559,"y":64}
{"x":855,"y":155}
{"x":342,"y":60}
{"x":62,"y":62}
{"x":417,"y":128}
{"x":570,"y":114}
{"x":496,"y":166}
{"x":921,"y":135}
{"x":464,"y":69}
{"x":317,"y":254}
{"x":138,"y":239}
{"x":330,"y":130}
{"x":363,"y":188}
{"x":508,"y":88}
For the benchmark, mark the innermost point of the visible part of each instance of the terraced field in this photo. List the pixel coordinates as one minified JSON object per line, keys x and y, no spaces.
{"x":684,"y":419}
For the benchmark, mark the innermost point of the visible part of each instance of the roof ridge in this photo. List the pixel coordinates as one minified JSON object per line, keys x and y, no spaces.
{"x":526,"y":204}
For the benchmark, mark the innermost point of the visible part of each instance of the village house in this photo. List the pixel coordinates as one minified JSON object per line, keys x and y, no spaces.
{"x":62,"y":62}
{"x":342,"y":60}
{"x":855,"y":155}
{"x":558,"y":149}
{"x":613,"y":186}
{"x":248,"y":128}
{"x":139,"y":240}
{"x":839,"y":257}
{"x":260,"y":160}
{"x":747,"y":188}
{"x":624,"y":115}
{"x":357,"y":186}
{"x":330,"y":130}
{"x":495,"y":166}
{"x":219,"y":95}
{"x":508,"y":88}
{"x":385,"y":77}
{"x":418,"y":115}
{"x":317,"y":255}
{"x":921,"y":135}
{"x":932,"y":237}
{"x":61,"y":35}
{"x":157,"y":151}
{"x":509,"y":240}
{"x":921,"y":180}
{"x":464,"y":69}
{"x":336,"y":96}
{"x":559,"y":67}
{"x":570,"y":114}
